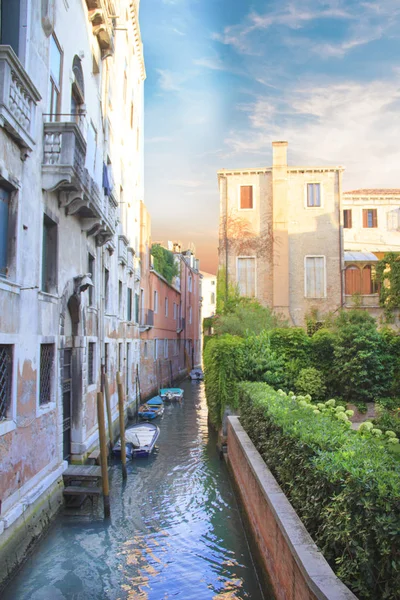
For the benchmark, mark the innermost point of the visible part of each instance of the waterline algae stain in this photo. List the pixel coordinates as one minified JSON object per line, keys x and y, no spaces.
{"x":175,"y":528}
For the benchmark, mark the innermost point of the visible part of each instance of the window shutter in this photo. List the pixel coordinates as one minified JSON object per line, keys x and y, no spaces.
{"x":246,"y":196}
{"x":366,"y":280}
{"x":4,"y":205}
{"x":374,"y":218}
{"x":365,"y":217}
{"x":350,"y":219}
{"x":315,"y":277}
{"x":352,"y":281}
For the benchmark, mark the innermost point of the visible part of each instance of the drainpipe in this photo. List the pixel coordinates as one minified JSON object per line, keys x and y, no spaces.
{"x":341,"y":256}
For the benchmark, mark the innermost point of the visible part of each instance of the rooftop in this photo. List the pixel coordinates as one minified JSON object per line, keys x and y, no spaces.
{"x":374,"y":192}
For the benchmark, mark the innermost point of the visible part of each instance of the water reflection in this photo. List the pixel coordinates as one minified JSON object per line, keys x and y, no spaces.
{"x":175,"y":530}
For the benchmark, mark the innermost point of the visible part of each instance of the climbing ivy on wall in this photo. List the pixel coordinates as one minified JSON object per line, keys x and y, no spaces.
{"x":388,"y":274}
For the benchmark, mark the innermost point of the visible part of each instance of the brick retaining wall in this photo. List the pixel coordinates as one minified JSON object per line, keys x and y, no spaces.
{"x":296,"y":568}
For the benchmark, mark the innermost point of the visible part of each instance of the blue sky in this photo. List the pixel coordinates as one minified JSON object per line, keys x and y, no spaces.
{"x":227,"y":77}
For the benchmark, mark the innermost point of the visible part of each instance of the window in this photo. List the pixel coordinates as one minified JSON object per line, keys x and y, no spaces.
{"x":129,"y":305}
{"x":6,"y":370}
{"x":246,"y":276}
{"x":190,"y":315}
{"x":165,"y":348}
{"x":347,"y":220}
{"x":91,"y":356}
{"x":77,"y":90}
{"x":212,"y":299}
{"x":136,"y":307}
{"x":106,"y":286}
{"x":55,"y":78}
{"x":4,"y":230}
{"x":155,"y":349}
{"x":315,"y":277}
{"x":393,"y":220}
{"x":91,"y":270}
{"x":370,"y":217}
{"x":155,"y":307}
{"x":313,"y":194}
{"x":49,"y":256}
{"x":213,"y":282}
{"x":46,"y":373}
{"x":190,"y":287}
{"x":128,"y":368}
{"x":175,"y":311}
{"x":246,"y":197}
{"x":106,"y":351}
{"x":166,"y":307}
{"x":145,"y":351}
{"x":120,"y":300}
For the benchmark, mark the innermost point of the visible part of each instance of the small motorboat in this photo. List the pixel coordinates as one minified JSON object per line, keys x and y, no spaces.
{"x":140,"y":440}
{"x":152,"y":408}
{"x":196,"y":374}
{"x":171,"y":394}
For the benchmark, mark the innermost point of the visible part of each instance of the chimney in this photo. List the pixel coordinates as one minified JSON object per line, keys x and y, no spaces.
{"x":279,"y":154}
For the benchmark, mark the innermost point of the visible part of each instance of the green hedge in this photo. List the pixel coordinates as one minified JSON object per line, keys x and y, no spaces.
{"x":345,"y":487}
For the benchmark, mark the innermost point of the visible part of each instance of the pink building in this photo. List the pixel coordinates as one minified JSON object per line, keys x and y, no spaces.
{"x":169,"y":317}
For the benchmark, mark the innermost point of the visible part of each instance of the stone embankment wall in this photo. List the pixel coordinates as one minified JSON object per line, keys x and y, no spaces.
{"x":296,"y":569}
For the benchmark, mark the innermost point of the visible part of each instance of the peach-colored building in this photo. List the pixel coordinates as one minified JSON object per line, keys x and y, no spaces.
{"x":169,"y":317}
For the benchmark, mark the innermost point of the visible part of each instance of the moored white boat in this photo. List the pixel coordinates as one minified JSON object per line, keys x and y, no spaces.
{"x":196,"y":374}
{"x":140,"y":440}
{"x":171,"y":394}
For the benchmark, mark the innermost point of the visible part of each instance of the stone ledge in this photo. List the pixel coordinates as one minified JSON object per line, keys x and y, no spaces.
{"x":319,"y":578}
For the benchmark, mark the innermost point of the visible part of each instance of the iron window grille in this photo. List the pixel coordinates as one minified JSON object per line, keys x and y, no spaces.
{"x":91,"y":363}
{"x":6,"y":364}
{"x":46,"y":373}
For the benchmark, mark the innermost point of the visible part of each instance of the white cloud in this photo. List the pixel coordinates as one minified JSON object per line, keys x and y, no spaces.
{"x":168,"y":81}
{"x":215,"y":64}
{"x":367,"y":22}
{"x":348,"y":123}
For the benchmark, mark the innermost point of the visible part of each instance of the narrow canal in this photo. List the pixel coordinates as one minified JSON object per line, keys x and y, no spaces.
{"x":175,"y":529}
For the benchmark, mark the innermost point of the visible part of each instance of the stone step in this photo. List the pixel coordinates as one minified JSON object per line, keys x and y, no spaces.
{"x":80,"y":490}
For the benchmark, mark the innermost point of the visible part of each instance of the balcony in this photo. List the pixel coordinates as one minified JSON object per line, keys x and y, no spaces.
{"x":101,"y":14}
{"x":146,"y":319}
{"x":18,"y":99}
{"x":63,"y":171}
{"x":131,"y":261}
{"x":123,"y":250}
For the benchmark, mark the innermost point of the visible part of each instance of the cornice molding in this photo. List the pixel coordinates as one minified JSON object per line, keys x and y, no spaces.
{"x":137,"y":38}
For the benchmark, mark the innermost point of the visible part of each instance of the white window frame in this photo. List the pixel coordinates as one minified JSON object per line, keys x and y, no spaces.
{"x":155,"y":301}
{"x":240,"y":185}
{"x":166,"y":306}
{"x":255,"y":273}
{"x":11,"y":423}
{"x":155,"y":350}
{"x":190,"y":315}
{"x":305,"y":276}
{"x":166,"y":348}
{"x":175,"y":311}
{"x":190,"y":283}
{"x":321,"y":195}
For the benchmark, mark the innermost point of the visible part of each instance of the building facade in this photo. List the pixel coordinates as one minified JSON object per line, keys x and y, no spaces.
{"x":371,"y":227}
{"x":71,"y":183}
{"x":170,"y":321}
{"x":280,"y":235}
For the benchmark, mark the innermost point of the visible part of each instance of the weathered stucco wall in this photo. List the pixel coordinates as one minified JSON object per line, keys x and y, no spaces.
{"x":296,"y":568}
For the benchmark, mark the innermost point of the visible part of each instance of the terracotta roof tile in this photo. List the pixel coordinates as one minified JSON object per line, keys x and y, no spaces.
{"x":374,"y":192}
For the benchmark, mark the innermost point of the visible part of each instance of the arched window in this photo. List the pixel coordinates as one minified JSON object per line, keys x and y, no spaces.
{"x":77,"y":90}
{"x":353,"y":281}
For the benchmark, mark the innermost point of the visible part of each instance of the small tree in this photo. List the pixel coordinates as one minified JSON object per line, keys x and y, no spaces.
{"x":164,"y":262}
{"x":388,"y":275}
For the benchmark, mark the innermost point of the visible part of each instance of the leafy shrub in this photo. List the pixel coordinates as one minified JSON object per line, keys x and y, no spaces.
{"x":359,"y":365}
{"x":345,"y":487}
{"x":247,"y":316}
{"x":311,"y":381}
{"x":291,"y":343}
{"x":388,"y":422}
{"x":164,"y":262}
{"x":223,"y":365}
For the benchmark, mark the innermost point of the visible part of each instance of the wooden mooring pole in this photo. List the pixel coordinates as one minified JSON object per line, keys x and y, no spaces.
{"x":122,"y":424}
{"x":108,"y":406}
{"x":103,"y":454}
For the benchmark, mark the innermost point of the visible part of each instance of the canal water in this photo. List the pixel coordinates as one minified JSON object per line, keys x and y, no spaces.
{"x":175,"y":530}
